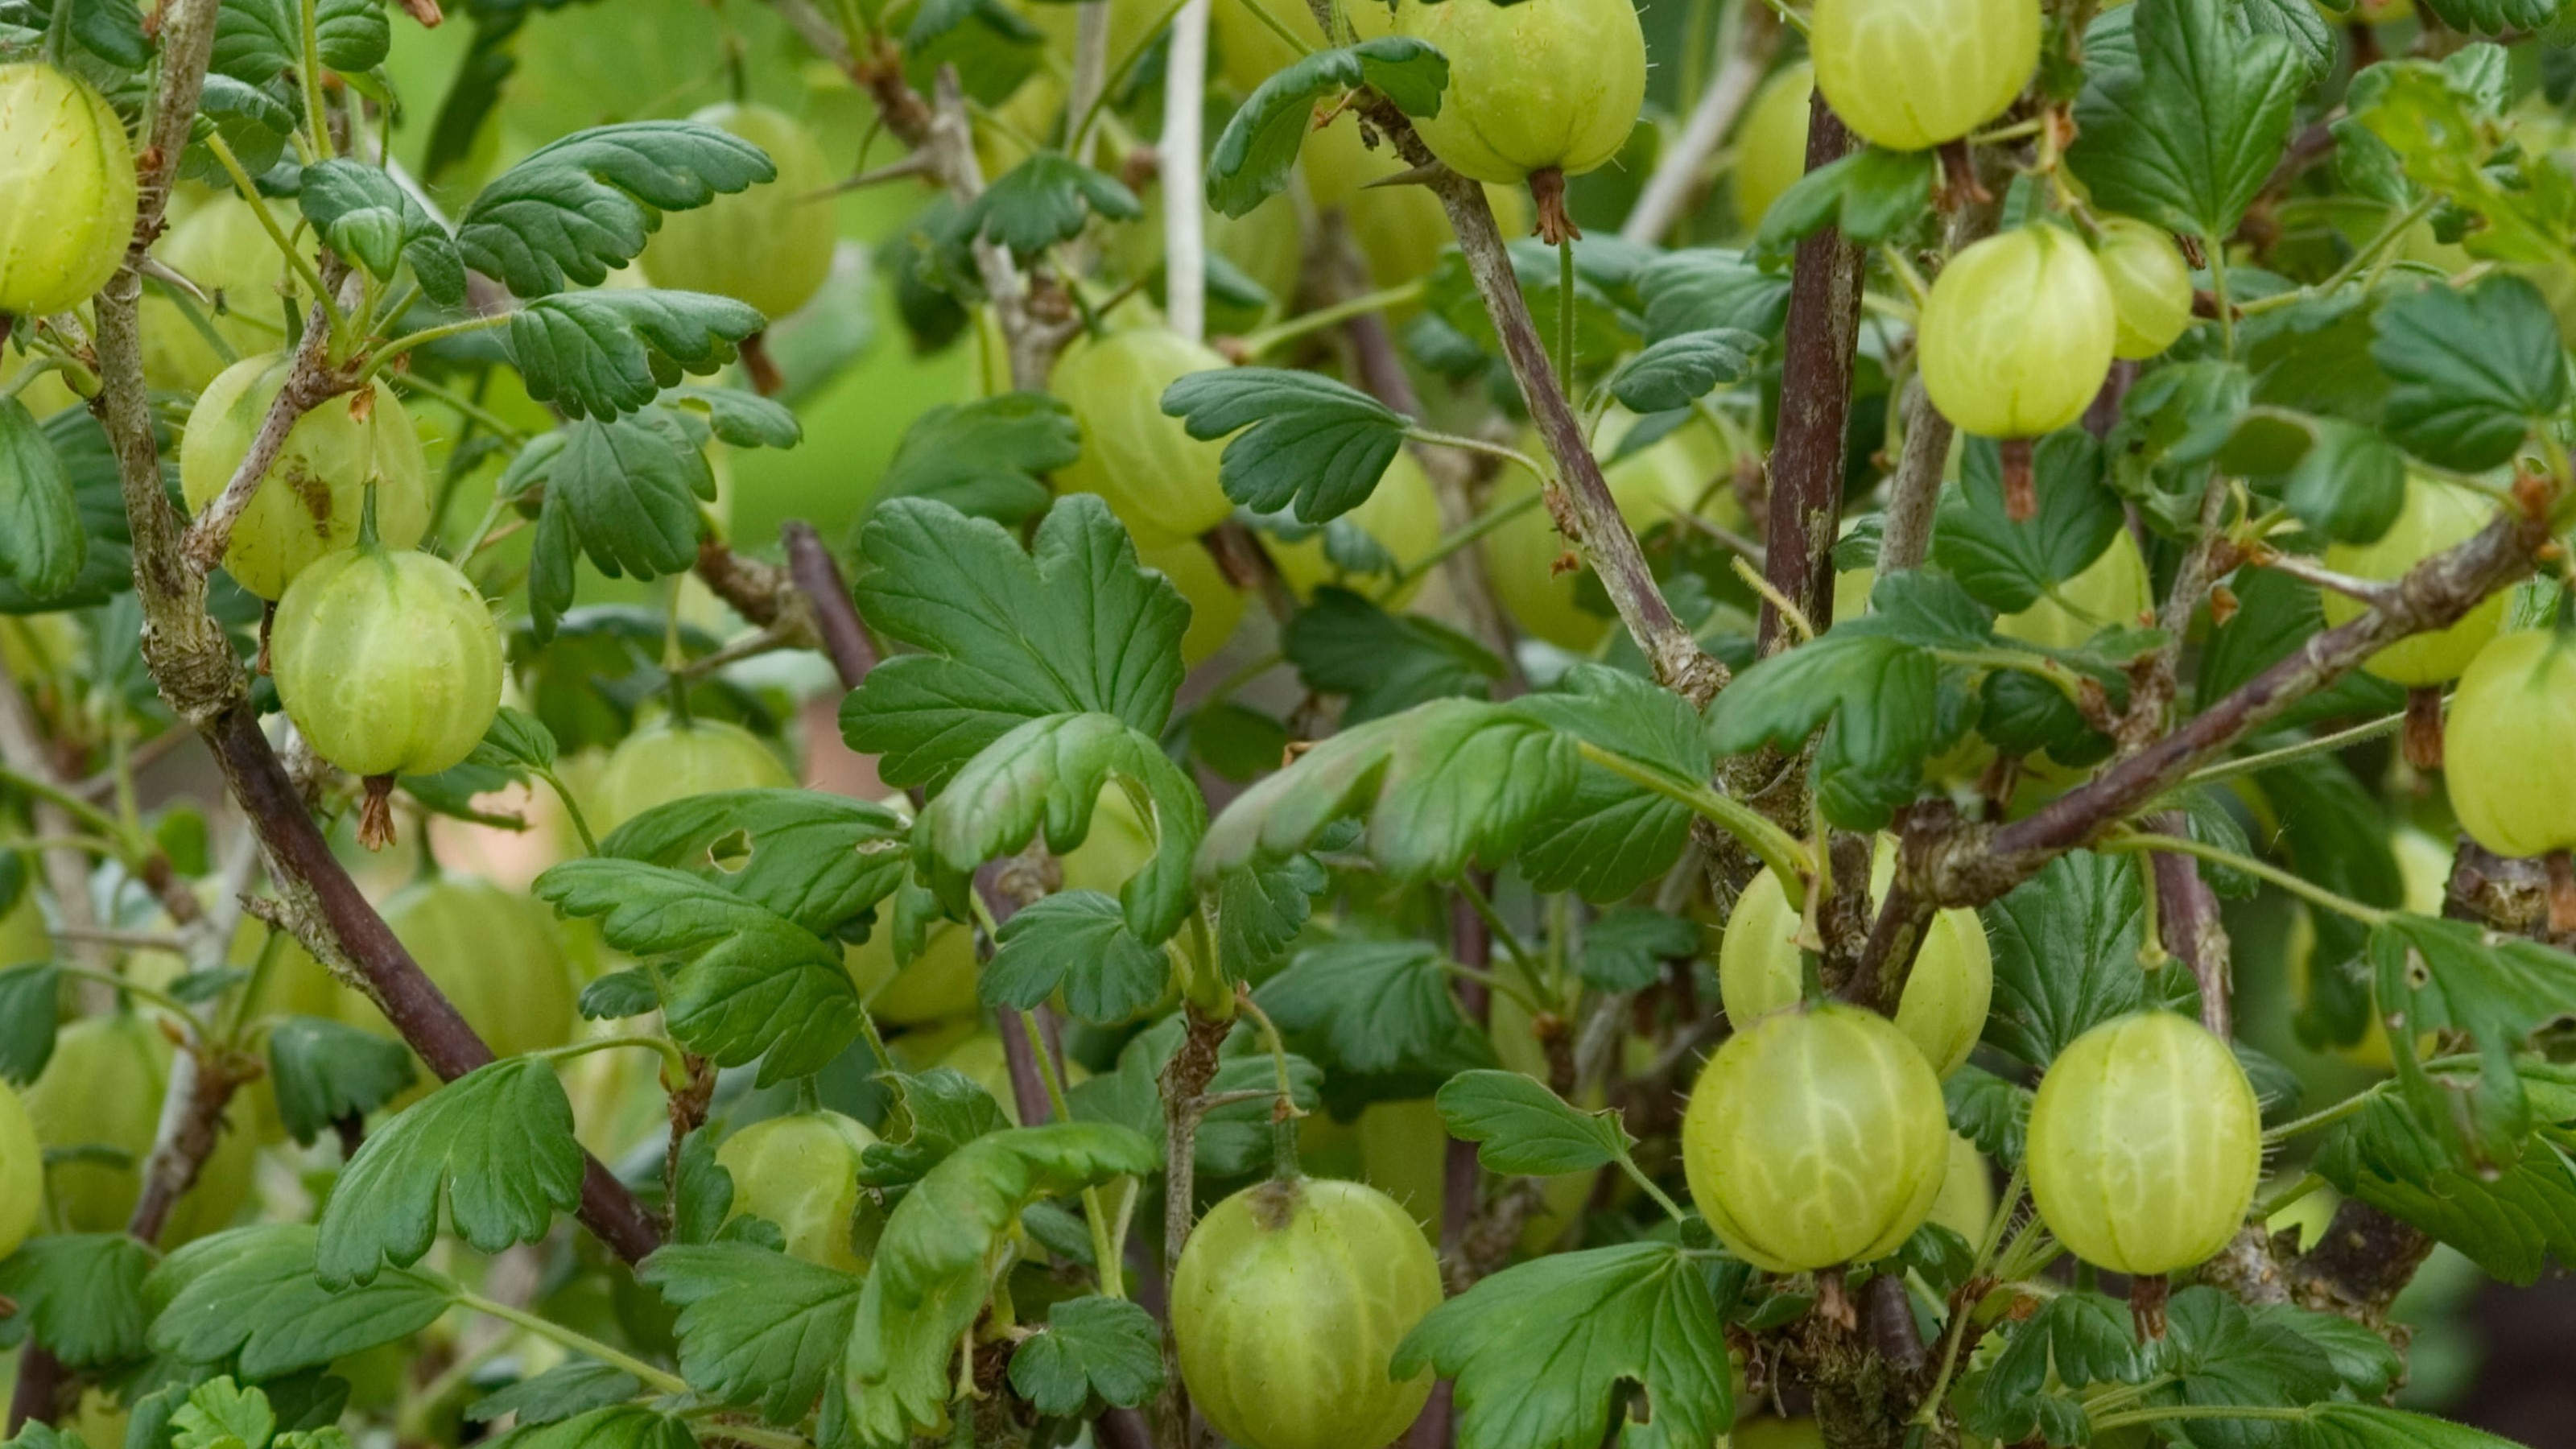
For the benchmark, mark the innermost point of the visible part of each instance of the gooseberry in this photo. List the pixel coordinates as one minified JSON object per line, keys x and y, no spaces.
{"x":1287,"y":1307}
{"x":497,"y":954}
{"x":1538,"y":90}
{"x":1160,"y":481}
{"x":221,"y":247}
{"x":22,"y":1173}
{"x":673,"y":759}
{"x":103,"y":1088}
{"x":1402,"y":515}
{"x":2145,"y":1144}
{"x":2113,"y":589}
{"x":1771,"y":149}
{"x":801,"y":1172}
{"x":770,"y":246}
{"x":1816,"y":1137}
{"x":2016,"y":337}
{"x":67,"y":190}
{"x":2434,"y":517}
{"x":2511,"y":776}
{"x":2151,"y":290}
{"x":1911,"y":74}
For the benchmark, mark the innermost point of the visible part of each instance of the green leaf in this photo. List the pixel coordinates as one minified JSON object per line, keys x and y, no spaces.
{"x":2010,"y":566}
{"x":2186,"y":136}
{"x":1871,"y":195}
{"x":495,"y":1146}
{"x":1261,"y":909}
{"x":256,"y":39}
{"x":2224,"y":1355}
{"x":1074,"y":626}
{"x":575,"y":1386}
{"x":1625,"y":948}
{"x":81,"y":1294}
{"x":606,"y":353}
{"x":934,"y":1265}
{"x":1522,"y":1128}
{"x":579,"y":206}
{"x":1104,"y":1350}
{"x":2474,"y":370}
{"x":41,"y":543}
{"x":2333,"y":1425}
{"x":368,"y":218}
{"x":2511,"y":1224}
{"x":1373,"y":1006}
{"x":1077,"y":942}
{"x":1989,"y":1111}
{"x":2310,"y":37}
{"x":2497,"y":990}
{"x":1385,"y":663}
{"x":1604,"y":328}
{"x":1044,"y":200}
{"x":2494,"y":17}
{"x":1045,"y":778}
{"x":818,"y":860}
{"x":2430,"y":121}
{"x":220,"y":1414}
{"x":1441,"y":785}
{"x":1253,"y":156}
{"x":2066,"y":954}
{"x":1878,"y":693}
{"x":326,"y":1070}
{"x":1705,"y":289}
{"x":250,"y":1297}
{"x":1309,"y":443}
{"x":2074,"y":1341}
{"x":1541,"y":1351}
{"x":1680,"y":370}
{"x":755,"y":1325}
{"x":1612,"y":835}
{"x":518,"y":741}
{"x":27,"y":1015}
{"x":985,"y":458}
{"x":744,"y":419}
{"x":624,"y":1426}
{"x":2367,"y":1363}
{"x":947,"y":1110}
{"x":759,"y":986}
{"x":626,"y":490}
{"x":112,"y":30}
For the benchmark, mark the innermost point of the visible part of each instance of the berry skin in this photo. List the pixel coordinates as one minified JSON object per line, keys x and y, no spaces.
{"x":22,"y":1173}
{"x":801,"y":1173}
{"x":310,"y":500}
{"x":1771,"y":151}
{"x":67,"y":190}
{"x":2435,"y":516}
{"x":770,"y":246}
{"x":103,"y":1088}
{"x":2145,"y":1144}
{"x":497,"y":954}
{"x":2511,"y":776}
{"x":2017,"y":336}
{"x":1537,"y":86}
{"x":2151,"y":289}
{"x":1911,"y":74}
{"x":2113,"y":589}
{"x":1287,"y":1306}
{"x":1401,"y":514}
{"x":387,"y":660}
{"x":1160,"y":481}
{"x":675,"y":759}
{"x":1816,"y":1137}
{"x":221,"y":247}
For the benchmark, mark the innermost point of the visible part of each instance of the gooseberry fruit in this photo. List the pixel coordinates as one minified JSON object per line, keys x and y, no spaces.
{"x":1947,"y":994}
{"x":1911,"y":74}
{"x":802,"y":1173}
{"x":1288,"y":1305}
{"x":1402,"y":515}
{"x":103,"y":1088}
{"x":497,"y":954}
{"x":1160,"y":481}
{"x":1538,"y":90}
{"x":1816,"y":1137}
{"x":221,"y":247}
{"x":389,"y":662}
{"x":67,"y":190}
{"x":1771,"y":149}
{"x":309,"y":502}
{"x":2016,"y":337}
{"x":2113,"y":589}
{"x":2511,"y":776}
{"x":2150,"y":285}
{"x":770,"y":246}
{"x":2434,"y":517}
{"x":1401,"y":1146}
{"x":2145,"y":1144}
{"x":1216,"y":605}
{"x":22,"y":1173}
{"x":1966,"y":1205}
{"x":1401,"y":230}
{"x":673,"y":759}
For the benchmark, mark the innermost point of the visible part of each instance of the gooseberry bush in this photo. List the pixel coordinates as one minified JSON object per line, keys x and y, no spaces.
{"x":834,"y":724}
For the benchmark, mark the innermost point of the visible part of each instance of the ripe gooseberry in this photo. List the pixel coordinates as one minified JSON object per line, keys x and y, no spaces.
{"x":2151,"y":290}
{"x":1816,"y":1137}
{"x":1912,"y":74}
{"x":2016,"y":340}
{"x":2435,"y":516}
{"x":770,"y":246}
{"x":801,"y":1173}
{"x":1401,"y":515}
{"x":22,"y":1173}
{"x":103,"y":1088}
{"x":309,"y":501}
{"x":67,"y":190}
{"x":390,"y":664}
{"x":673,"y":759}
{"x":497,"y":954}
{"x":2145,"y":1144}
{"x":1160,"y":481}
{"x":1216,"y":605}
{"x":1947,"y":994}
{"x":1287,"y":1306}
{"x":2511,"y":777}
{"x":1538,"y":90}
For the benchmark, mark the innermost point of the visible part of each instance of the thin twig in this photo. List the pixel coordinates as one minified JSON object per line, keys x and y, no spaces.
{"x":1677,"y":182}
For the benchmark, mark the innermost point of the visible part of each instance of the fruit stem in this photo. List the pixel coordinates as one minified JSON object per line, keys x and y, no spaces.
{"x":2313,"y":893}
{"x":368,"y":542}
{"x":580,"y":1343}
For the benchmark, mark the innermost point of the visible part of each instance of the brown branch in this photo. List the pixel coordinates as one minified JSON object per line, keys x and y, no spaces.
{"x":1815,"y":408}
{"x":311,"y":380}
{"x":827,"y":596}
{"x":1914,"y":492}
{"x":2187,"y":910}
